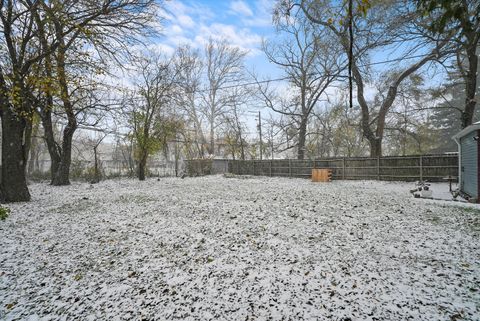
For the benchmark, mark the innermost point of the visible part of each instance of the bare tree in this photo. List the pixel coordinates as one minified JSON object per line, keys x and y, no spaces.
{"x":35,"y":148}
{"x":189,"y":65}
{"x":384,"y":25}
{"x":123,"y":153}
{"x":234,"y":127}
{"x":95,"y":143}
{"x":310,"y":60}
{"x":223,"y":66}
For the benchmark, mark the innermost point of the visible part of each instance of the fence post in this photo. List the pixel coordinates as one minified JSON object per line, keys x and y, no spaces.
{"x":378,"y":168}
{"x":343,"y":168}
{"x":421,"y":168}
{"x":289,"y":168}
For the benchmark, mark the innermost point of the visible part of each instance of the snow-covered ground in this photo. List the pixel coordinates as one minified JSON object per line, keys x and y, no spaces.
{"x":215,"y":248}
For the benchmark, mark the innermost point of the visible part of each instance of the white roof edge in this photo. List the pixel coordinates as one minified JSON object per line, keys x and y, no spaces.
{"x":466,"y":131}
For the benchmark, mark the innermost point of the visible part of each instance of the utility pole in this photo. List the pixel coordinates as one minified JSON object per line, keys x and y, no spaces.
{"x":176,"y":153}
{"x":271,"y":140}
{"x":260,"y":132}
{"x":259,"y":127}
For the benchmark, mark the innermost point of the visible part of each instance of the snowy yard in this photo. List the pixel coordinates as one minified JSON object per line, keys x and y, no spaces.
{"x":216,"y":248}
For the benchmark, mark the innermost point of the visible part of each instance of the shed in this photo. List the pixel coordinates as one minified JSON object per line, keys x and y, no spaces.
{"x":469,"y":158}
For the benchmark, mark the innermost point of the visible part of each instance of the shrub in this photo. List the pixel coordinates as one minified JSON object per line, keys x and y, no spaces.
{"x":39,"y":176}
{"x":199,"y":167}
{"x":89,"y":174}
{"x":4,"y":211}
{"x":76,"y":169}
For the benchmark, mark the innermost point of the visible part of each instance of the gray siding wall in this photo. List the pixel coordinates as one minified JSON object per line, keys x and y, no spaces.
{"x":469,"y":168}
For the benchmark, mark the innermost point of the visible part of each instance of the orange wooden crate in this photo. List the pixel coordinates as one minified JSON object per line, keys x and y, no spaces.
{"x":321,"y":175}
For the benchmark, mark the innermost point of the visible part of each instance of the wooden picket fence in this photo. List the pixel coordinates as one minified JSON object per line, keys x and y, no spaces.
{"x":391,"y":168}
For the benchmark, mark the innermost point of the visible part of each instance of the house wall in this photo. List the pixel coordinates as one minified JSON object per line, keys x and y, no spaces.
{"x":469,"y":165}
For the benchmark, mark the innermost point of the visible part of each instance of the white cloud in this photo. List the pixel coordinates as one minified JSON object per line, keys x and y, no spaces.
{"x":181,"y":40}
{"x":161,"y":48}
{"x":185,"y":21}
{"x":241,"y":38}
{"x":263,"y":14}
{"x":176,"y":29}
{"x":241,"y":8}
{"x":178,"y":10}
{"x":193,"y":24}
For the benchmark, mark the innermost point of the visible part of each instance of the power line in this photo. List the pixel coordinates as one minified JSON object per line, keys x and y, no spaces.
{"x":286,"y":78}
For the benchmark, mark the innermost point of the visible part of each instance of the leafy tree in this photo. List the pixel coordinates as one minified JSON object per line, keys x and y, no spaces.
{"x":39,"y":37}
{"x":446,"y":117}
{"x":462,"y":18}
{"x":151,"y":118}
{"x":72,"y":66}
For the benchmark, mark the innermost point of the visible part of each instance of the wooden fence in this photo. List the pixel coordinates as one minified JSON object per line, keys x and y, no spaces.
{"x":392,"y":168}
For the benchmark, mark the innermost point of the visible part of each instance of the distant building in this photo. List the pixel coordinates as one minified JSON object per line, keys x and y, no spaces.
{"x":469,"y":157}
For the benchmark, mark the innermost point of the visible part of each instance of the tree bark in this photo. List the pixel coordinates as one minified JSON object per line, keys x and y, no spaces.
{"x":142,"y":164}
{"x":302,"y":133}
{"x":375,"y":147}
{"x":96,"y":174}
{"x":34,"y":151}
{"x":212,"y":139}
{"x":14,"y":159}
{"x":53,"y":149}
{"x":470,"y":86}
{"x":62,"y":174}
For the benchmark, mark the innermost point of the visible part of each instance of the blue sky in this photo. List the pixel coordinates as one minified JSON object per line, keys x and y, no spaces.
{"x":244,"y":23}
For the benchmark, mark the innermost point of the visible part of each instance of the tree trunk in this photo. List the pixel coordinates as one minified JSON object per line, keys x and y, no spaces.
{"x":53,"y":148}
{"x":142,"y":165}
{"x":470,"y":86}
{"x":302,"y":133}
{"x":375,"y":147}
{"x":141,"y":168}
{"x":62,"y":174}
{"x":212,"y":140}
{"x":96,"y":175}
{"x":34,"y":150}
{"x":14,"y":159}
